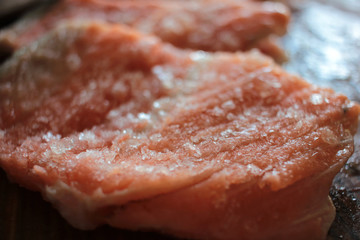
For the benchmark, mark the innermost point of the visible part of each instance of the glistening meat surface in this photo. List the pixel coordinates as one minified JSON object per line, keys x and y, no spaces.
{"x":115,"y":127}
{"x":208,"y":25}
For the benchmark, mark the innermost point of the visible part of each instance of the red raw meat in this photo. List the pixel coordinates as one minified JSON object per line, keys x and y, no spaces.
{"x":208,"y":25}
{"x":114,"y":127}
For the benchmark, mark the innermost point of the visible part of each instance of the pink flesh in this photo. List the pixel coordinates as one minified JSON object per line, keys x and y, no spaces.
{"x":116,"y":127}
{"x":202,"y":24}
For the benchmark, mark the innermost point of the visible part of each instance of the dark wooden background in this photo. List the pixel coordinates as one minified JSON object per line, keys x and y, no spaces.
{"x":323,"y":44}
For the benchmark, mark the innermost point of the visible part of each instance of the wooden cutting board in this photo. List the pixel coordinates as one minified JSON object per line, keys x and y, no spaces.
{"x":323,"y":44}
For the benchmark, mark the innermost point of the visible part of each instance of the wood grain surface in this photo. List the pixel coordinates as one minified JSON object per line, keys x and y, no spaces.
{"x":25,"y":215}
{"x":323,"y":44}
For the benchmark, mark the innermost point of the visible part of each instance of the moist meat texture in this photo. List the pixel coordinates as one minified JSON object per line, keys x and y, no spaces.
{"x":114,"y":127}
{"x":210,"y":25}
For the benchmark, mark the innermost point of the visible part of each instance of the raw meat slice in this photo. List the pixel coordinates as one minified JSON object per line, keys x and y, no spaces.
{"x":201,"y":24}
{"x":115,"y":127}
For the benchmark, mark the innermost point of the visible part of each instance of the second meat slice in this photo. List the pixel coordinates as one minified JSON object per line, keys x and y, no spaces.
{"x":208,"y":25}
